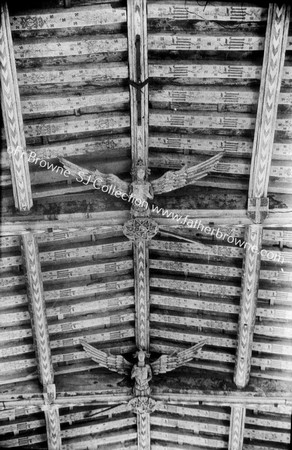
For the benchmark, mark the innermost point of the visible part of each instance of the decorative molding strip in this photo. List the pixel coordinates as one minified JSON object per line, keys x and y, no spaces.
{"x":12,"y":115}
{"x":272,"y":71}
{"x":143,"y":424}
{"x":236,"y":431}
{"x":248,"y":303}
{"x":36,"y":301}
{"x":141,"y":267}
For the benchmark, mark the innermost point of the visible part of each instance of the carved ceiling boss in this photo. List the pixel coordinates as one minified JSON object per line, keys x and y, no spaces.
{"x":142,"y":371}
{"x":141,"y":189}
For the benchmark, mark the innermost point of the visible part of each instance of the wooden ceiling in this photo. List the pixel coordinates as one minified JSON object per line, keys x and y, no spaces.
{"x":107,"y":85}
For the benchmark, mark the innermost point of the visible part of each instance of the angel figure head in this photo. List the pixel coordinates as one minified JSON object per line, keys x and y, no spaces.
{"x":141,"y":355}
{"x":140,"y":171}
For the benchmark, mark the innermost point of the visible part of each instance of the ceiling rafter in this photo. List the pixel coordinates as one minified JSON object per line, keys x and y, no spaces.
{"x":236,"y":431}
{"x":272,"y":71}
{"x":13,"y":121}
{"x":258,"y":204}
{"x":40,"y":333}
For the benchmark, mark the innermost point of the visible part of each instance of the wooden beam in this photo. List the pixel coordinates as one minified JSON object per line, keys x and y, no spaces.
{"x":248,"y":304}
{"x":138,"y":75}
{"x":12,"y":115}
{"x":236,"y":431}
{"x":37,"y":308}
{"x":141,"y":271}
{"x":266,"y":120}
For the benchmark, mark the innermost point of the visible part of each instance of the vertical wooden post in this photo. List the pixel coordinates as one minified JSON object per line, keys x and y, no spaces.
{"x":273,"y":63}
{"x":236,"y":430}
{"x":12,"y":115}
{"x":37,"y":308}
{"x":248,"y":304}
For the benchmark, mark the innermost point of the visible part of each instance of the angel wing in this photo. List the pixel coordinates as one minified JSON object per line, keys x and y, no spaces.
{"x":100,"y":178}
{"x":166,"y":363}
{"x":116,"y":363}
{"x":172,"y":180}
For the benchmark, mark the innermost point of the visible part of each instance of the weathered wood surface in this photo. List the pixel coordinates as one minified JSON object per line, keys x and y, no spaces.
{"x":40,"y":332}
{"x":267,"y":122}
{"x":179,"y":41}
{"x":74,"y":74}
{"x":138,"y":73}
{"x":248,"y":305}
{"x":233,"y":146}
{"x":179,"y":96}
{"x":221,"y":70}
{"x":73,"y":18}
{"x":37,"y":308}
{"x":90,"y":123}
{"x":68,"y":47}
{"x":12,"y":116}
{"x":69,"y":104}
{"x":187,"y":10}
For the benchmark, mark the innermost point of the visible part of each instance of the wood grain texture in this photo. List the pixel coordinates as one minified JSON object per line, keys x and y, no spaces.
{"x":12,"y":115}
{"x":141,"y":270}
{"x":266,"y":121}
{"x":236,"y":431}
{"x":37,"y":308}
{"x":40,"y":332}
{"x":248,"y":304}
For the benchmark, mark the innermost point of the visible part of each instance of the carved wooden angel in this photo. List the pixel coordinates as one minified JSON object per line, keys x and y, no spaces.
{"x":140,"y":188}
{"x":142,"y":372}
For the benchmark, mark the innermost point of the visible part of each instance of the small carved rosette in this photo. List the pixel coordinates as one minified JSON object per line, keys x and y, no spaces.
{"x":142,"y":405}
{"x":140,"y":229}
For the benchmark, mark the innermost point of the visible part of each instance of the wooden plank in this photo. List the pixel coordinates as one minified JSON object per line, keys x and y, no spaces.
{"x":188,"y":425}
{"x":72,"y":125}
{"x":82,"y":291}
{"x":163,"y":435}
{"x":76,"y":74}
{"x":236,"y":431}
{"x":178,"y":96}
{"x":187,"y":10}
{"x":69,"y":47}
{"x":67,"y":104}
{"x":191,"y":42}
{"x":266,"y":121}
{"x":222,"y":70}
{"x":12,"y":116}
{"x":73,"y":18}
{"x":233,"y":146}
{"x":265,"y":435}
{"x":215,"y":340}
{"x":174,"y":161}
{"x":203,"y":120}
{"x":98,"y":427}
{"x":121,"y":438}
{"x":195,"y":412}
{"x":40,"y":333}
{"x":248,"y":305}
